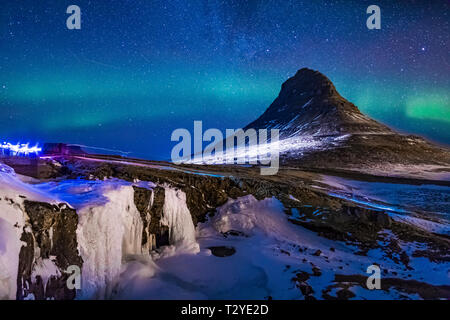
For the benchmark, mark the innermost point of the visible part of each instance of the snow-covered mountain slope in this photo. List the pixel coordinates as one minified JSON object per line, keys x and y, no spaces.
{"x":321,"y":129}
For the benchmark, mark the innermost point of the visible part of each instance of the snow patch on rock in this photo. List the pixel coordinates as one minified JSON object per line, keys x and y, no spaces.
{"x":12,"y":220}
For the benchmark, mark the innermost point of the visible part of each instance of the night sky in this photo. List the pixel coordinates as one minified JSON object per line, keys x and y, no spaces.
{"x":137,"y":70}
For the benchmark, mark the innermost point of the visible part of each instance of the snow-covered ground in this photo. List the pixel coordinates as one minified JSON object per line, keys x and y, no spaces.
{"x":109,"y":231}
{"x":426,"y":206}
{"x":12,"y":221}
{"x":267,"y":254}
{"x":423,"y":171}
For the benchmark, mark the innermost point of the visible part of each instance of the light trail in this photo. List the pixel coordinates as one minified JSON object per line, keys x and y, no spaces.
{"x":19,"y":149}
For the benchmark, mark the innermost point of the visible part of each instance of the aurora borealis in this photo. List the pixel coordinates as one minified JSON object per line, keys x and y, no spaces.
{"x":137,"y":70}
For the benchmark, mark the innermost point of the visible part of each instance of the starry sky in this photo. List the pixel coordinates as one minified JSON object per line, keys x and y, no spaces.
{"x":137,"y":70}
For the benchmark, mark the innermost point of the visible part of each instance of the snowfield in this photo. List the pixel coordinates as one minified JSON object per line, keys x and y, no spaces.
{"x":270,"y":251}
{"x":426,"y":206}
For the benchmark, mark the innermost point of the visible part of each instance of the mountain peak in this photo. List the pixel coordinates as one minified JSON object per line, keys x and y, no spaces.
{"x":310,"y":82}
{"x":309,"y":104}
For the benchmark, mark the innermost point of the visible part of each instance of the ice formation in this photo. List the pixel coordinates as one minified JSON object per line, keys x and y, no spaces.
{"x":179,"y":220}
{"x":109,"y":232}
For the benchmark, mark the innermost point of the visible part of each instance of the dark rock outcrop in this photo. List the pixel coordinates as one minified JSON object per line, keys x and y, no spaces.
{"x":222,"y":251}
{"x":154,"y":235}
{"x":49,"y":235}
{"x":424,"y":290}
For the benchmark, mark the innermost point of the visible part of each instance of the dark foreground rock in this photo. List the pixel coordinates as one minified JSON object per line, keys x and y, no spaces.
{"x":222,"y":251}
{"x":50,"y":235}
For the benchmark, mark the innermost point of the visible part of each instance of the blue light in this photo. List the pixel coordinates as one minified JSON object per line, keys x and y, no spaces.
{"x":20,"y":149}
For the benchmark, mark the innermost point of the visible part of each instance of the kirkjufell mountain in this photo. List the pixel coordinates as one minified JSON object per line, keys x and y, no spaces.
{"x":309,"y":104}
{"x":321,"y":129}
